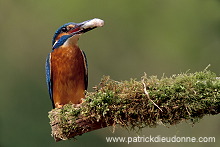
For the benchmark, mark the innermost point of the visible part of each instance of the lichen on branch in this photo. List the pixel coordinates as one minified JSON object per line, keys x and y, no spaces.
{"x":169,"y":100}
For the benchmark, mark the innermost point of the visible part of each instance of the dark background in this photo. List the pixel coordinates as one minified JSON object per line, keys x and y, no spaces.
{"x":153,"y":36}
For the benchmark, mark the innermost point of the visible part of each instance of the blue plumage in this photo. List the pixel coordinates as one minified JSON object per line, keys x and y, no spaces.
{"x":61,"y":41}
{"x":48,"y":78}
{"x":59,"y":31}
{"x":86,"y":69}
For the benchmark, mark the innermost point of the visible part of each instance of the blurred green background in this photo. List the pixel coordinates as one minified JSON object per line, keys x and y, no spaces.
{"x":152,"y":36}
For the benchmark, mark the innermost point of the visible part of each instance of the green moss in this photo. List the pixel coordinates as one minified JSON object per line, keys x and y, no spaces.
{"x":186,"y":96}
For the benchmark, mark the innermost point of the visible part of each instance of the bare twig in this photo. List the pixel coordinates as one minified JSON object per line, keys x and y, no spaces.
{"x":147,"y":94}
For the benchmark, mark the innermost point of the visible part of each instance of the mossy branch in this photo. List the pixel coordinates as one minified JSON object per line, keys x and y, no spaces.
{"x":168,"y":101}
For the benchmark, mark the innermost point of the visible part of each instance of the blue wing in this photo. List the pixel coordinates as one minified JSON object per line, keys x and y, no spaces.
{"x":86,"y":69}
{"x":48,"y":78}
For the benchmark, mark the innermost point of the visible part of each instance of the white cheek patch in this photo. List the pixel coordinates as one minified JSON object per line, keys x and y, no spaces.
{"x":71,"y":41}
{"x":96,"y":22}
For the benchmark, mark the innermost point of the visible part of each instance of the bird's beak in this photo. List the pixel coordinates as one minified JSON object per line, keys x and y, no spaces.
{"x":86,"y":26}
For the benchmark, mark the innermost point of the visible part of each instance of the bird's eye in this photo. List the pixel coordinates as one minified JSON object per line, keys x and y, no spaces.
{"x":64,"y":29}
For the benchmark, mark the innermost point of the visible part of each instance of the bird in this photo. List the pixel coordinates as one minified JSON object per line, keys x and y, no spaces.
{"x":66,"y":65}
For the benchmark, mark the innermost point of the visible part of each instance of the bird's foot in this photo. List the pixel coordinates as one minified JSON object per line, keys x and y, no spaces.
{"x":80,"y":104}
{"x":59,"y":105}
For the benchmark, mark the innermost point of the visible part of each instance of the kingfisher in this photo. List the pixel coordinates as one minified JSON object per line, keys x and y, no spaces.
{"x":66,"y":65}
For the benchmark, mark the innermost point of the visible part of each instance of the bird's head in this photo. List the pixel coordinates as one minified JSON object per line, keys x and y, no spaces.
{"x":69,"y":33}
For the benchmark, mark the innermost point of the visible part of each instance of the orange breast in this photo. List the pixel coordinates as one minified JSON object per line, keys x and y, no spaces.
{"x":68,"y":76}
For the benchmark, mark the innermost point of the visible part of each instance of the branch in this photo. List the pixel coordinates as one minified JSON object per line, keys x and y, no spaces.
{"x":137,"y":104}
